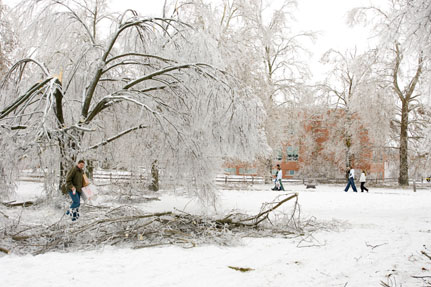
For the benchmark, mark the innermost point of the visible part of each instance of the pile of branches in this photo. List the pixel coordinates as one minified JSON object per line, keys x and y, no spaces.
{"x":131,"y":227}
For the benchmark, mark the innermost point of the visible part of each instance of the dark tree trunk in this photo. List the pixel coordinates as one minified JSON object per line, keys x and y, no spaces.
{"x":58,"y":109}
{"x":90,"y":169}
{"x":404,"y":167}
{"x":154,"y":176}
{"x":406,"y":96}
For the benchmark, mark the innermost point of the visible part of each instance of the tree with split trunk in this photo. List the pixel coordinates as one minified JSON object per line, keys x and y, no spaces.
{"x":407,"y":99}
{"x":126,"y":90}
{"x":403,"y":28}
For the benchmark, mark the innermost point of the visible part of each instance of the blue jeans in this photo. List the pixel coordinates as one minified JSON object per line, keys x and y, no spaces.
{"x":351,"y":183}
{"x":76,"y":199}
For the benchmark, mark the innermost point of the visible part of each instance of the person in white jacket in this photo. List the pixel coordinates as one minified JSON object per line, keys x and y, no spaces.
{"x":363,"y":179}
{"x":278,"y":178}
{"x":351,"y":181}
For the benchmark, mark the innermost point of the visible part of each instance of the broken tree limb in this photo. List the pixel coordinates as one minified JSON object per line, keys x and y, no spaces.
{"x":266,"y":212}
{"x":374,"y":246}
{"x":424,"y":253}
{"x":15,"y":204}
{"x":130,"y":226}
{"x":421,"y":277}
{"x":4,"y":214}
{"x":260,"y":217}
{"x":241,"y":269}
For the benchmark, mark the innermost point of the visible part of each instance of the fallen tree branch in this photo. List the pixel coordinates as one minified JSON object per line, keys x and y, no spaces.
{"x":261,"y":216}
{"x":4,"y":214}
{"x":241,"y":269}
{"x":421,"y":277}
{"x":295,"y":195}
{"x":129,"y":226}
{"x":374,"y":246}
{"x":15,"y":204}
{"x":424,"y":253}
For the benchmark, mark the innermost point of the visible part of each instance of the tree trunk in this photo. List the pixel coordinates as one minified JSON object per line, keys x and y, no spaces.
{"x":404,"y":167}
{"x":154,"y":176}
{"x":58,"y":109}
{"x":90,"y":169}
{"x":405,"y":97}
{"x":67,"y":158}
{"x":268,"y":176}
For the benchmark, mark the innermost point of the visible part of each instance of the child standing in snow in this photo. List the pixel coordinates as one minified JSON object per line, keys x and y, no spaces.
{"x":363,"y":179}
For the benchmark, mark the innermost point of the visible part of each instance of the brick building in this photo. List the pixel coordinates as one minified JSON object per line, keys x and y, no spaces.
{"x":317,"y":151}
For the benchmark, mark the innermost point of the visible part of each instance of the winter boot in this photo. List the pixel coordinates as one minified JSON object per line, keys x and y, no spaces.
{"x":69,"y":212}
{"x":75,"y":214}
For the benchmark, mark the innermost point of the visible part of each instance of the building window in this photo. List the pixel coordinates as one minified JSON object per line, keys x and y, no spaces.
{"x":291,"y":172}
{"x":247,"y":170}
{"x":377,"y":156}
{"x":292,"y":153}
{"x":230,"y":170}
{"x":278,"y":154}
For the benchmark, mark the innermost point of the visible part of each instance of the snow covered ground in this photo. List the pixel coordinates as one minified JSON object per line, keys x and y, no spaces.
{"x":376,"y":236}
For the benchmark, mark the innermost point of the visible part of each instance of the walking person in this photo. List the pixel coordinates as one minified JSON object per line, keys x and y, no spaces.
{"x":351,"y":180}
{"x":363,"y":179}
{"x":278,"y":178}
{"x":74,"y":183}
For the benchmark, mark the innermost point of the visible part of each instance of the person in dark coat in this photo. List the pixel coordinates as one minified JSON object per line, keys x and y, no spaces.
{"x":74,"y":182}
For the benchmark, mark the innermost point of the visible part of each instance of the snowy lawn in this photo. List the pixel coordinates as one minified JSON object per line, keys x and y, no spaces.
{"x":373,"y":237}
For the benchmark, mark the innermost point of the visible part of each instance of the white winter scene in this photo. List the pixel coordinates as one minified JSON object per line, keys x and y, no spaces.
{"x":215,"y":143}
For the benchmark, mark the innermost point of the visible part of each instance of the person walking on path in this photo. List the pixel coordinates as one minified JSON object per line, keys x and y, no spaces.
{"x":351,"y":180}
{"x":363,"y":179}
{"x":278,"y":178}
{"x":74,"y":182}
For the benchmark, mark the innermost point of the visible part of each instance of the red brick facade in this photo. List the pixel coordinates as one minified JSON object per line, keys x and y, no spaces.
{"x":311,"y":150}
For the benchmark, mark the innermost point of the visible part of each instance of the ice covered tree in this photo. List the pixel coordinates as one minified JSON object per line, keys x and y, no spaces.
{"x":263,"y":51}
{"x":7,"y":39}
{"x":7,"y":44}
{"x":125,"y":88}
{"x":403,"y":27}
{"x":358,"y":106}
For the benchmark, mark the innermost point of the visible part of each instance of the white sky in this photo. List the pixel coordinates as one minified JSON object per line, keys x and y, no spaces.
{"x":328,"y":17}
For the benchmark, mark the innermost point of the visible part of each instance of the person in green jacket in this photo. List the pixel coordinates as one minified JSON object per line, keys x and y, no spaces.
{"x":74,"y":182}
